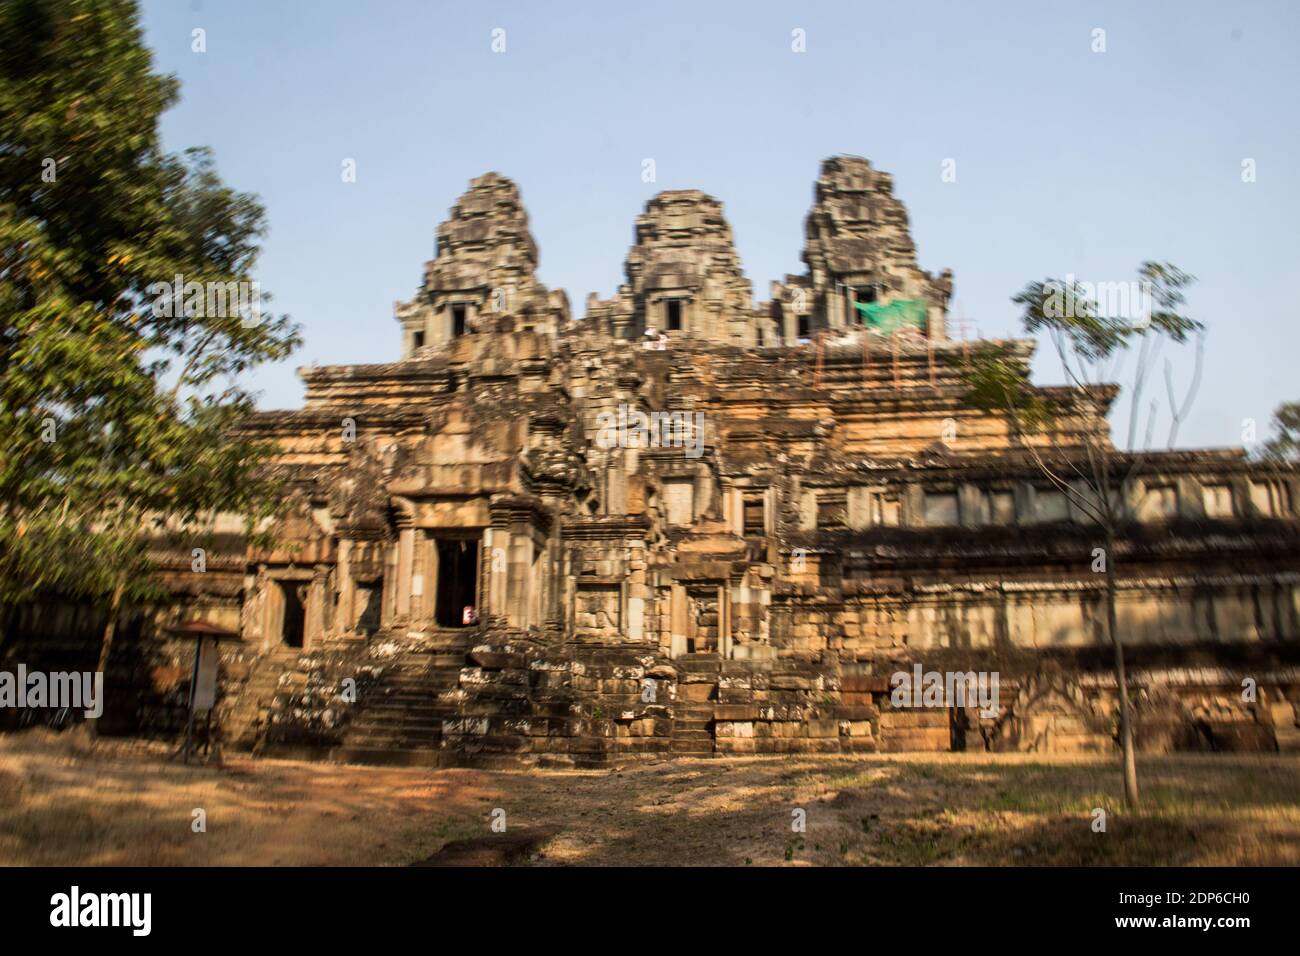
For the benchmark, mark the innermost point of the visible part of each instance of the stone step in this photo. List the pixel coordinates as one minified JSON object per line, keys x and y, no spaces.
{"x":433,"y":697}
{"x":387,"y":740}
{"x":403,"y":757}
{"x":1288,"y":739}
{"x":496,"y":761}
{"x":393,"y":729}
{"x":397,"y":719}
{"x":688,"y":748}
{"x":416,"y":701}
{"x":416,"y":681}
{"x":693,"y":710}
{"x":432,"y":662}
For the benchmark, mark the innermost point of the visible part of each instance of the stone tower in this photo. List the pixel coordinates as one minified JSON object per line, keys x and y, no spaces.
{"x":484,"y":275}
{"x":859,"y":251}
{"x":683,"y":276}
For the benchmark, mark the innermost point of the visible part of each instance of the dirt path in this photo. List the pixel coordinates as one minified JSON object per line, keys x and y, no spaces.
{"x":125,"y":803}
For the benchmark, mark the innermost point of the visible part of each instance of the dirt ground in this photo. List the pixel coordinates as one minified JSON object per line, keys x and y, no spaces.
{"x":66,"y":802}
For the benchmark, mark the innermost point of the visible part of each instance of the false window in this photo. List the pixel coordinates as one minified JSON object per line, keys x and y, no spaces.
{"x":754,"y":523}
{"x":1218,"y":501}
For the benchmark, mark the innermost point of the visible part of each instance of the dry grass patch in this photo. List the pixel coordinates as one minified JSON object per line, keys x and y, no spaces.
{"x":62,"y":802}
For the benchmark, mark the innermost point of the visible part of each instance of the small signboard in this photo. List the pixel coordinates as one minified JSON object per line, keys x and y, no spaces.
{"x":203,"y":684}
{"x":205,"y":675}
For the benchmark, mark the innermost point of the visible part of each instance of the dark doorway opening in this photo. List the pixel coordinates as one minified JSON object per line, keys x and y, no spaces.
{"x":295,"y":615}
{"x":674,"y":314}
{"x":369,"y":598}
{"x":457,"y":582}
{"x":457,"y":320}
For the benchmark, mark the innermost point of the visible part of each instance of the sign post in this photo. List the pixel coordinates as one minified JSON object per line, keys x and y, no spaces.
{"x":203,"y":686}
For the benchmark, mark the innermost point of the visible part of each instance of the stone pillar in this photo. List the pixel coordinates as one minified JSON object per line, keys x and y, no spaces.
{"x":834,"y":306}
{"x":421,"y":591}
{"x":405,"y":561}
{"x":346,"y":616}
{"x":678,"y":615}
{"x":703,"y":494}
{"x":313,"y":628}
{"x":637,"y":592}
{"x":388,"y":598}
{"x":517,"y":582}
{"x":724,"y":622}
{"x":496,"y":545}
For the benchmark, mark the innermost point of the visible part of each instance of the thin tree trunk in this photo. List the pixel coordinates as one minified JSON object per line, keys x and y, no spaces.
{"x":106,"y":643}
{"x":1125,"y":712}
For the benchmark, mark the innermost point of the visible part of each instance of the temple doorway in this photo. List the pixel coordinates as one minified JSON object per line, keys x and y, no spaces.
{"x":457,"y":597}
{"x":295,"y":613}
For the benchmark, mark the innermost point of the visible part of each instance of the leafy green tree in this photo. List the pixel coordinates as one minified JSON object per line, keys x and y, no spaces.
{"x":119,"y":398}
{"x":1086,"y":467}
{"x":1285,"y":444}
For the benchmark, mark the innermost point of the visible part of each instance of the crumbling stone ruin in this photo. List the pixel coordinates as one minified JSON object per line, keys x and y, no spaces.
{"x":685,"y":524}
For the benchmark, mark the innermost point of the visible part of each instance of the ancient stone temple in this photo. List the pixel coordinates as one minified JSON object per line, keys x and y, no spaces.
{"x":684,"y":523}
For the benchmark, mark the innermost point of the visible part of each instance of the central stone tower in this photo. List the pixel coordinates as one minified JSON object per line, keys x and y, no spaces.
{"x":684,"y":277}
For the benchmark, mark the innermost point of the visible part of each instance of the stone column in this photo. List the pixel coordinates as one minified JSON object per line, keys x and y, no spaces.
{"x":420,"y":597}
{"x":405,"y":560}
{"x":520,"y":562}
{"x":346,"y":616}
{"x":496,"y":544}
{"x":678,"y":615}
{"x":724,"y":622}
{"x":388,"y":595}
{"x":313,"y":628}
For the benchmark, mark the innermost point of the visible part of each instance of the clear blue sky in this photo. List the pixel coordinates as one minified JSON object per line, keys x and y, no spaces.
{"x":1068,"y":161}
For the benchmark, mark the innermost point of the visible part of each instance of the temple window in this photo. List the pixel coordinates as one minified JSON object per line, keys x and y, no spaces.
{"x":458,"y":319}
{"x":941,"y":509}
{"x":1159,"y":502}
{"x":753,"y":519}
{"x":1050,"y":504}
{"x":1002,"y":508}
{"x":1270,"y":498}
{"x":1218,"y":501}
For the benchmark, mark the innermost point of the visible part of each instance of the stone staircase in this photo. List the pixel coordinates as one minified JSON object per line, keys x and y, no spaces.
{"x":1285,"y":731}
{"x":244,"y":726}
{"x":399,"y":720}
{"x":692,"y":731}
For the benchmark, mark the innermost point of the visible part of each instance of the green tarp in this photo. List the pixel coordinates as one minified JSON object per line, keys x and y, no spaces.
{"x":894,"y":315}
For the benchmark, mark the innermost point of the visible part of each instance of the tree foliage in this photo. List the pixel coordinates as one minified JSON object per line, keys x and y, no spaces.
{"x":118,"y":405}
{"x":1091,"y":342}
{"x":1285,"y":444}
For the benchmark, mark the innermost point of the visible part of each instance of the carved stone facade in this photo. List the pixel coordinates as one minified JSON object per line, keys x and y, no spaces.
{"x":564,"y":541}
